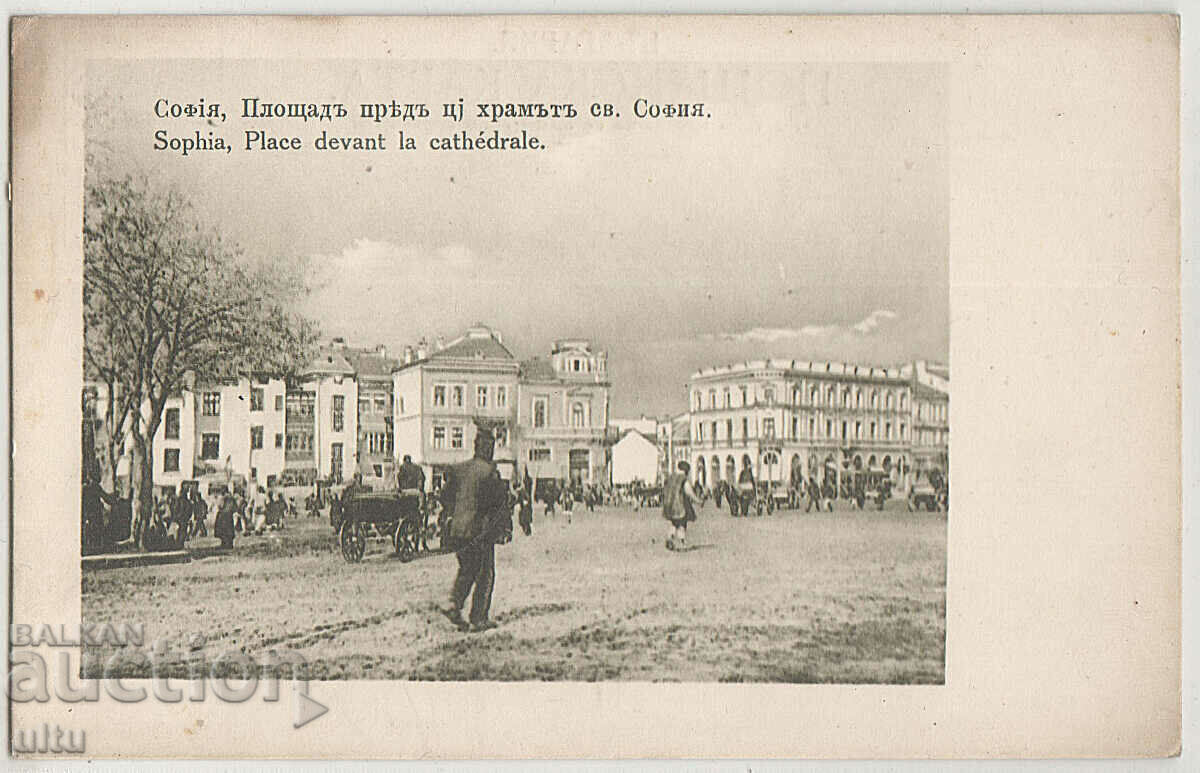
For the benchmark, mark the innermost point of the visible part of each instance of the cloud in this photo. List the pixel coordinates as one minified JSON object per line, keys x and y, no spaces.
{"x":768,"y":335}
{"x":872,"y":320}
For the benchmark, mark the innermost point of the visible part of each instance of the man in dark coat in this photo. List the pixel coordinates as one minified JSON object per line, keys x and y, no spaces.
{"x":224,"y":526}
{"x":476,"y":501}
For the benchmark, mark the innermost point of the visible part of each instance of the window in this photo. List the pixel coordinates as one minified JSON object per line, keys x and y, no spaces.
{"x":457,"y":396}
{"x":501,"y":436}
{"x":253,"y":473}
{"x":256,"y":438}
{"x":874,"y":400}
{"x":874,"y":434}
{"x":728,"y":399}
{"x":210,"y":446}
{"x":745,"y":428}
{"x":211,"y":404}
{"x":170,"y":460}
{"x":812,"y":427}
{"x":279,"y":440}
{"x":380,"y":404}
{"x":828,"y":428}
{"x":903,"y":431}
{"x":795,"y":395}
{"x":714,"y":431}
{"x":769,"y":395}
{"x":795,"y":428}
{"x":378,"y":469}
{"x":339,"y":412}
{"x":540,"y":406}
{"x":481,"y":396}
{"x":858,"y":430}
{"x":539,"y":454}
{"x":889,"y":401}
{"x":278,"y":403}
{"x":171,"y":424}
{"x":696,"y":399}
{"x":858,"y":398}
{"x":335,"y":459}
{"x":401,"y":403}
{"x":903,"y":401}
{"x":364,"y":406}
{"x":256,"y":398}
{"x":439,"y":437}
{"x":813,"y":396}
{"x":769,"y":428}
{"x":829,"y":399}
{"x":456,"y":437}
{"x":845,"y":431}
{"x":501,"y":397}
{"x":729,"y":429}
{"x":577,"y":415}
{"x":712,"y":398}
{"x":845,"y":398}
{"x":700,"y":432}
{"x":745,"y":396}
{"x":439,"y":396}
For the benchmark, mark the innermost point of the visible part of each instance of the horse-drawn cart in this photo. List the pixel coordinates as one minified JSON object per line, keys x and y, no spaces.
{"x":398,"y":516}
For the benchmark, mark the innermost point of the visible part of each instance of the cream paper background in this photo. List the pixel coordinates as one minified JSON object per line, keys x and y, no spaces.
{"x":1063,"y":589}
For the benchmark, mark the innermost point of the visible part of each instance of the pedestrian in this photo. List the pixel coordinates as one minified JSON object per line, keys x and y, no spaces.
{"x":199,"y":515}
{"x":680,"y":501}
{"x":225,"y":528}
{"x":476,"y":500}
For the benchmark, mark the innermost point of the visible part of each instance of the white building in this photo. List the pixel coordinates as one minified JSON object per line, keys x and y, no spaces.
{"x":635,"y":457}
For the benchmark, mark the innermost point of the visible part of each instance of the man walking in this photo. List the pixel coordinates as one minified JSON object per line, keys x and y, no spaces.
{"x":475,"y":499}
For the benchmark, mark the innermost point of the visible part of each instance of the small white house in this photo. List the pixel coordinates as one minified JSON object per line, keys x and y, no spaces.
{"x":634,"y":457}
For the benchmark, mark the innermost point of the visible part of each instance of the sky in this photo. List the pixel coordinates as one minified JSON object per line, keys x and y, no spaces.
{"x":805,"y":217}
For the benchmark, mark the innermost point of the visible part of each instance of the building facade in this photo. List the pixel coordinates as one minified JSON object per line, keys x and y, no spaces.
{"x":635,"y":457}
{"x":562,"y":415}
{"x":443,"y":394}
{"x":376,"y":439}
{"x":821,"y":418}
{"x":321,"y":419}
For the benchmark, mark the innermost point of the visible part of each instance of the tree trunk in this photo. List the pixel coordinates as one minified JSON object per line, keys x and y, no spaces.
{"x":141,"y":483}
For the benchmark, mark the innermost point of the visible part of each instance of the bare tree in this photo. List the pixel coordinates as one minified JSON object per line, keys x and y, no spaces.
{"x":164,"y":296}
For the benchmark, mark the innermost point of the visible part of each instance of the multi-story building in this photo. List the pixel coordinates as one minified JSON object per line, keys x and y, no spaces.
{"x":563,"y":414}
{"x":443,"y":394}
{"x":321,"y":418}
{"x":376,"y":440}
{"x":931,"y":417}
{"x":821,"y":417}
{"x":238,"y":430}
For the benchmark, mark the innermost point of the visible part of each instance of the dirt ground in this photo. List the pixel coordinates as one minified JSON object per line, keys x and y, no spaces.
{"x":845,"y":597}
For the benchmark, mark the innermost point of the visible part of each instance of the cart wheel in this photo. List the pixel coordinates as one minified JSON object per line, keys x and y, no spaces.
{"x":407,"y":540}
{"x":353,"y":541}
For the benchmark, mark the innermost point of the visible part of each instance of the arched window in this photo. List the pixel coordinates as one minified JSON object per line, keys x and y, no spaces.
{"x":829,"y":398}
{"x":578,"y":417}
{"x":712,"y":398}
{"x":845,"y":398}
{"x":874,"y":400}
{"x":795,"y":395}
{"x":890,"y":401}
{"x":857,"y":397}
{"x":728,"y":398}
{"x":814,"y":395}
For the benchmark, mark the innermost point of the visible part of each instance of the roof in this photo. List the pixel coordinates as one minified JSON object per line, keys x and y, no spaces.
{"x":474,"y":347}
{"x":329,"y":361}
{"x":651,"y":439}
{"x":370,"y":363}
{"x":538,"y":369}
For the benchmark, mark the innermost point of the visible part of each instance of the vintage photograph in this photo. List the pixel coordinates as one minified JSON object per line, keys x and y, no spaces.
{"x":519,"y":371}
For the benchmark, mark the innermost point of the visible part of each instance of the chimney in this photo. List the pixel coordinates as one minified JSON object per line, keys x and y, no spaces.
{"x":381,"y":350}
{"x":422,"y":349}
{"x":408,"y":355}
